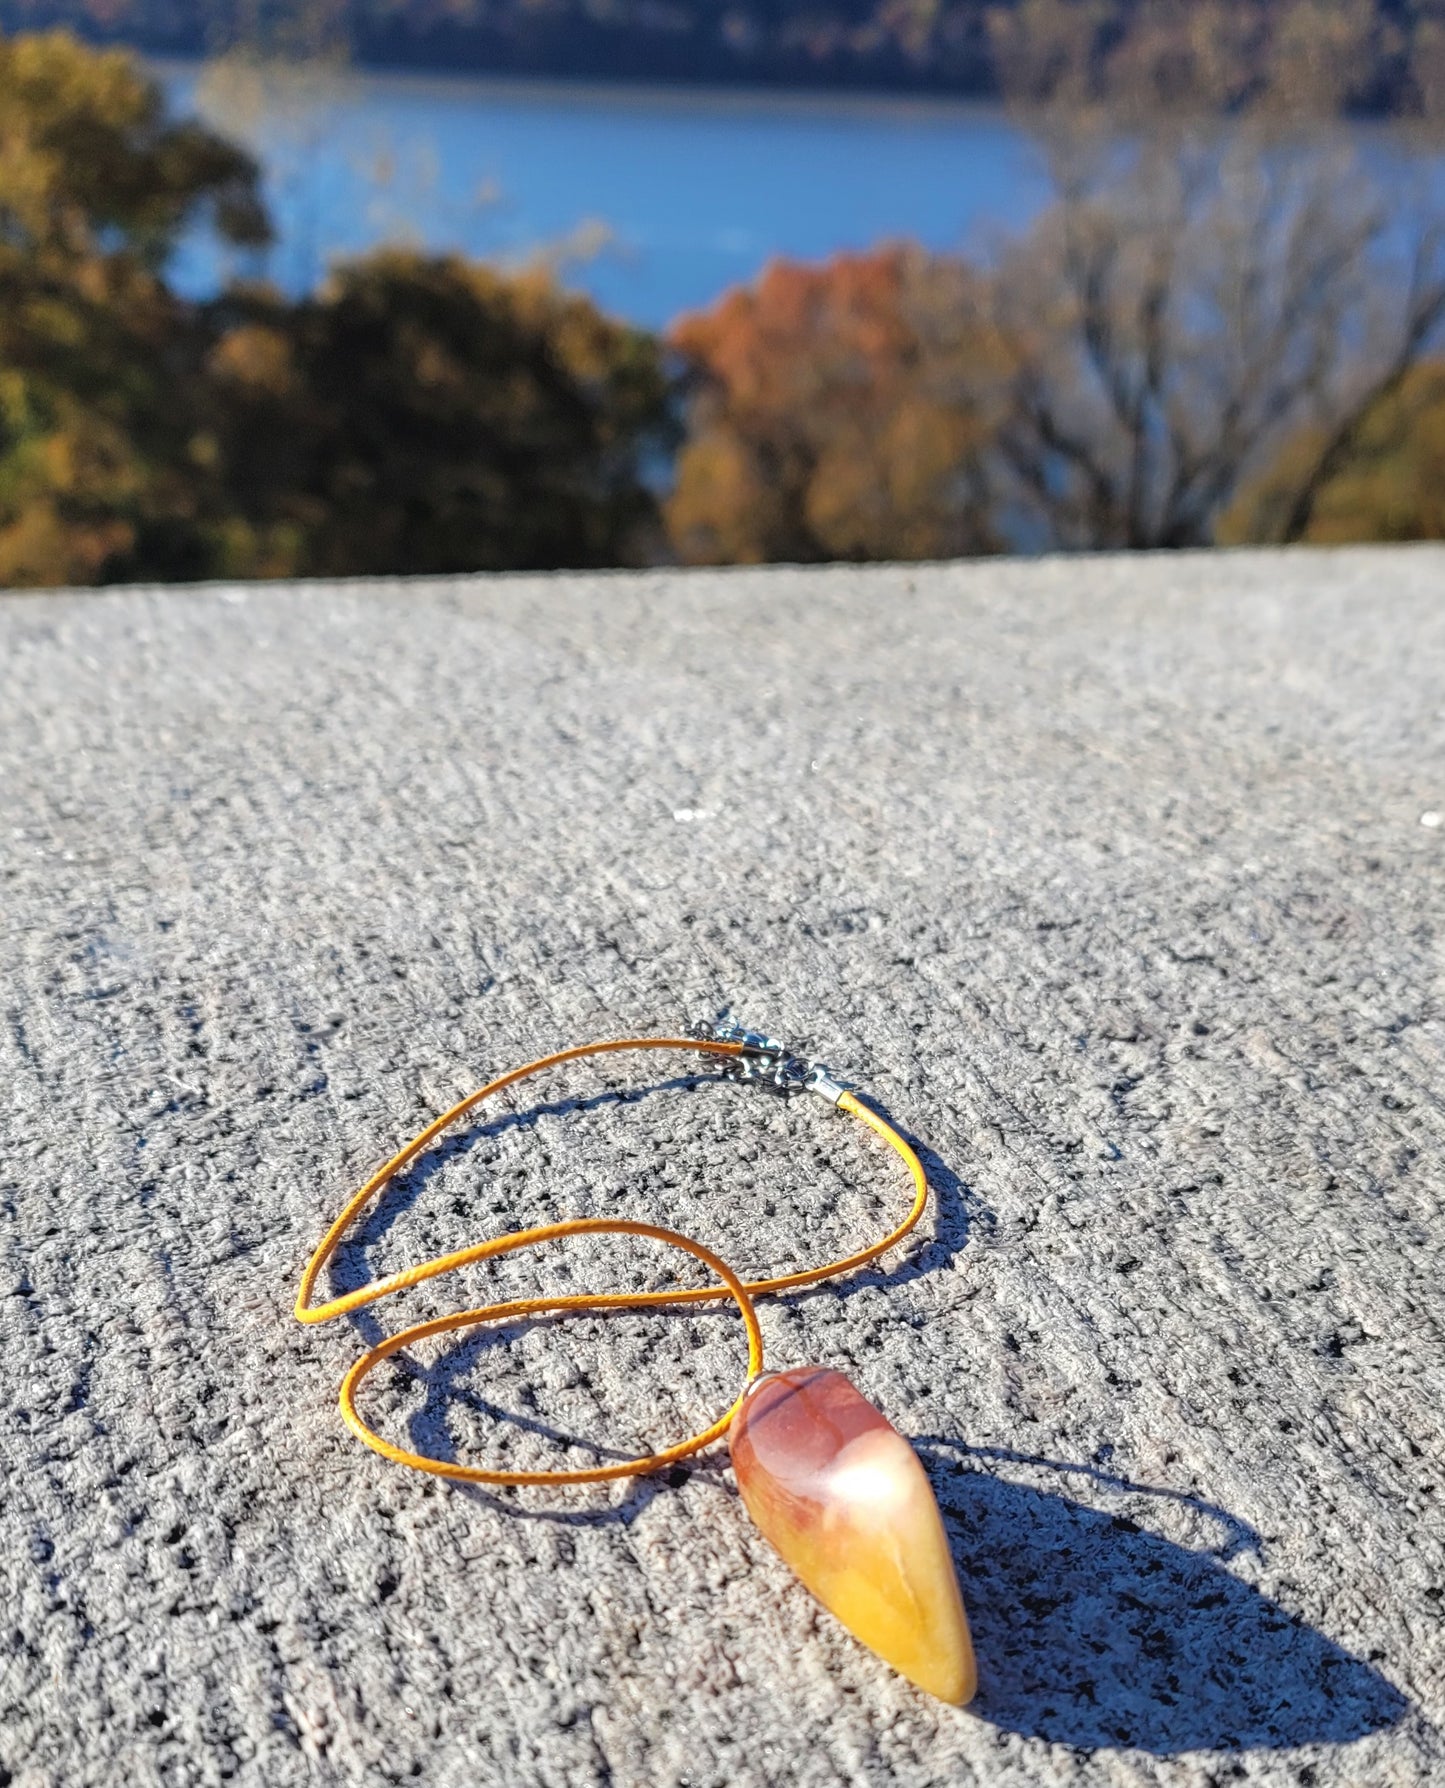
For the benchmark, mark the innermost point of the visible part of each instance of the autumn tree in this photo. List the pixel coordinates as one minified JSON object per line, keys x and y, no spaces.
{"x":1188,"y":306}
{"x":413,"y":415}
{"x":837,"y":412}
{"x":427,"y":414}
{"x":1390,"y":487}
{"x":1223,"y":306}
{"x":97,"y":358}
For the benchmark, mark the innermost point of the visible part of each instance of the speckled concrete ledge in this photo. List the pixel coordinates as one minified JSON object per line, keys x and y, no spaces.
{"x":1120,"y":883}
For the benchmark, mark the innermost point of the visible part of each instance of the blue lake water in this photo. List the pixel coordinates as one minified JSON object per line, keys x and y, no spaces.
{"x":655,"y":202}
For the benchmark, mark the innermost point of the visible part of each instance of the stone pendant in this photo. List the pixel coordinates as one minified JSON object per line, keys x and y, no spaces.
{"x":844,"y":1499}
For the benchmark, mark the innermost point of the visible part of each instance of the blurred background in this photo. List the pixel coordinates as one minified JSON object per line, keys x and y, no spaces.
{"x":331,"y":287}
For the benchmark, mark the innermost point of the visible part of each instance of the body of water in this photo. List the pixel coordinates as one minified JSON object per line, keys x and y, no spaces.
{"x":655,"y":202}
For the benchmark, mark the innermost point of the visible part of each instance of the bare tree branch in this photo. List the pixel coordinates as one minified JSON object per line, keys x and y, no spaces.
{"x":1185,"y":311}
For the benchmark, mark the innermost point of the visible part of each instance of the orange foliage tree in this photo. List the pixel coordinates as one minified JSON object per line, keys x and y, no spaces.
{"x":837,"y":412}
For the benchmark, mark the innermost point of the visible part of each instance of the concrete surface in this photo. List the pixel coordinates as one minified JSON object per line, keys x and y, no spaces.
{"x":1109,"y":879}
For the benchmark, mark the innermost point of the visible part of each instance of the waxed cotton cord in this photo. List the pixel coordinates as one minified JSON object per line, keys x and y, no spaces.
{"x":741,"y":1292}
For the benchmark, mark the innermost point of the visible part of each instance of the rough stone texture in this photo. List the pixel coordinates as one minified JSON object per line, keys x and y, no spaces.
{"x":1108,"y":879}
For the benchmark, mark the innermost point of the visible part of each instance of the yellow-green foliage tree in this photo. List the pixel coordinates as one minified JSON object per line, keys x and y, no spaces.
{"x":96,"y":355}
{"x":417,"y":414}
{"x":1390,"y":487}
{"x":426,"y":414}
{"x":838,"y":412}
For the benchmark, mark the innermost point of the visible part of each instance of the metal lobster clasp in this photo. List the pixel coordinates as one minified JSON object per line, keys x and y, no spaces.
{"x":767,"y":1062}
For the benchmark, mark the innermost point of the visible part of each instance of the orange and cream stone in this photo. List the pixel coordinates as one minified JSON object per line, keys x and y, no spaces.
{"x":842,"y":1496}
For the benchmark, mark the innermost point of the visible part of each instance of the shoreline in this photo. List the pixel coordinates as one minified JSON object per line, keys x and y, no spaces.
{"x":717,"y":98}
{"x":740,"y":100}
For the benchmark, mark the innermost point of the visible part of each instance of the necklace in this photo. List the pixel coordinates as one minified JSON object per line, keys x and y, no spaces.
{"x":830,"y":1482}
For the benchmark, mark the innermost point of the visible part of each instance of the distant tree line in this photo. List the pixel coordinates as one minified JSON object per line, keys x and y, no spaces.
{"x":1385,"y":56}
{"x":1209,"y":337}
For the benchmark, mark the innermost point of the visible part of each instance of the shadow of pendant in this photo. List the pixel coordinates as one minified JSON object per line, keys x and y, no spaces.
{"x":1098,"y":1634}
{"x":846,"y":1502}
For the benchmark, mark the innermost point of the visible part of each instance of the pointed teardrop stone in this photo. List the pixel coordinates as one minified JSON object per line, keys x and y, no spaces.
{"x":843,"y":1497}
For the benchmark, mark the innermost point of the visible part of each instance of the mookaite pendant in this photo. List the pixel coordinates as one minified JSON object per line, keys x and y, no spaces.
{"x":843,"y":1497}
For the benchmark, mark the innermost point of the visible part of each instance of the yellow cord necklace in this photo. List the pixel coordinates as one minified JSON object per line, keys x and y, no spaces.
{"x":868,"y":1542}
